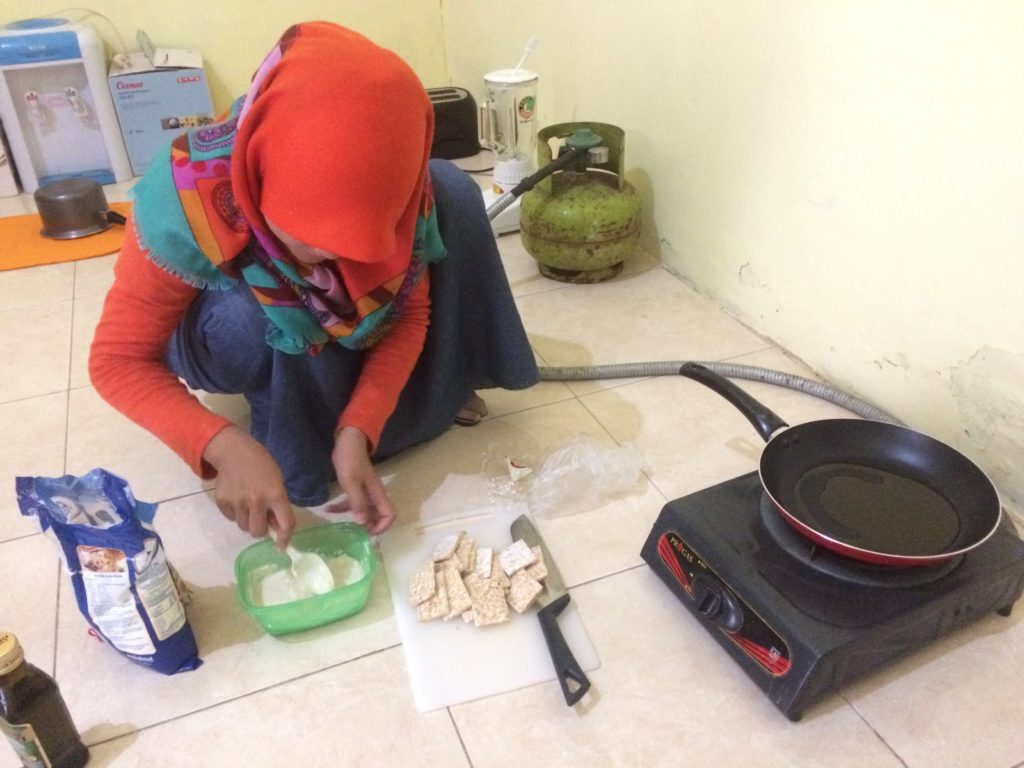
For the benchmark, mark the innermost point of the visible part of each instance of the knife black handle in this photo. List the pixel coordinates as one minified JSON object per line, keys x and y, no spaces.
{"x":566,"y":667}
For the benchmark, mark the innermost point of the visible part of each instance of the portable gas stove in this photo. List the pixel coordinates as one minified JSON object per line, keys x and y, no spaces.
{"x":803,"y":621}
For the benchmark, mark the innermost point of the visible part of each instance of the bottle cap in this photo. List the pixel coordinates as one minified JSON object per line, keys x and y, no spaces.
{"x":11,"y":654}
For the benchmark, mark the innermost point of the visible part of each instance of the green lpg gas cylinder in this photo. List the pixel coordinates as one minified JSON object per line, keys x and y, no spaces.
{"x":582,"y":222}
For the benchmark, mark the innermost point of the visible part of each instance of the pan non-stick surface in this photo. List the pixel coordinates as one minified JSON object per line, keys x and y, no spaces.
{"x":880,"y":488}
{"x":872,"y":491}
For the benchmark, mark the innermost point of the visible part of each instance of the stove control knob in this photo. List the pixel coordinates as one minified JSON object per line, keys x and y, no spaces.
{"x":717,"y":604}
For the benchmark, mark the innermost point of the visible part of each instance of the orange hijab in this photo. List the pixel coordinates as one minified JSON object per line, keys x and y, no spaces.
{"x":331,"y":143}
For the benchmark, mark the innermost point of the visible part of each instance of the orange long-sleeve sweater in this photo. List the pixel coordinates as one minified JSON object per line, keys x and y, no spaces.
{"x":141,"y":311}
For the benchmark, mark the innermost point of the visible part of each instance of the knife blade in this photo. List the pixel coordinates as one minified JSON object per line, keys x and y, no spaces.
{"x":553,"y":601}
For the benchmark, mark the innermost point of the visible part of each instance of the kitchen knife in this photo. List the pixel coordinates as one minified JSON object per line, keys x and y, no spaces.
{"x":553,"y":601}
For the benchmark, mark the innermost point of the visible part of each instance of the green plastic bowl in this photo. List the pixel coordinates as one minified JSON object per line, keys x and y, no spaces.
{"x":258,"y":560}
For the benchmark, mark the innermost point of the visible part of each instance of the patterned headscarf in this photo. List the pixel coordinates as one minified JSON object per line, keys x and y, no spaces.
{"x":331,"y":144}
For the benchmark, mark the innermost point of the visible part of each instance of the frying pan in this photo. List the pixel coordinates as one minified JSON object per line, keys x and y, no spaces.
{"x":874,"y":492}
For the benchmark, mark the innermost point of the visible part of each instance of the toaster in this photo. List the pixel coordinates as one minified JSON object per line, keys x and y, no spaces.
{"x":455,"y":123}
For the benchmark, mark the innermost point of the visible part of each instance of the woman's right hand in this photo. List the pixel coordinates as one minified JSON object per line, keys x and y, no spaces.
{"x":249,"y":485}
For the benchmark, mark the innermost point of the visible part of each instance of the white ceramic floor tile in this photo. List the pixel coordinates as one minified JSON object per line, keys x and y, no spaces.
{"x":99,"y":436}
{"x":36,"y":285}
{"x":691,"y":437}
{"x":665,"y":695}
{"x":504,"y":401}
{"x":464,"y":470}
{"x":94,"y":276}
{"x":17,"y":205}
{"x":119,"y":192}
{"x":238,"y":657}
{"x":415,"y":475}
{"x":232,"y":407}
{"x":357,"y":714}
{"x":29,"y":572}
{"x":33,"y":445}
{"x":956,"y":703}
{"x":593,"y":525}
{"x":521,"y":268}
{"x":647,"y":316}
{"x":35,"y":345}
{"x":603,"y":540}
{"x":83,"y":327}
{"x":422,"y":475}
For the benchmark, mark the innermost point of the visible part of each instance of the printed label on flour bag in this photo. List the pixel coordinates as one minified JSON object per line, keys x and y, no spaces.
{"x":158,"y":591}
{"x":108,"y":595}
{"x":125,"y":586}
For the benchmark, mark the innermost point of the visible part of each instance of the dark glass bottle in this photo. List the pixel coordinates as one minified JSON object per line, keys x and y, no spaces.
{"x":33,"y":715}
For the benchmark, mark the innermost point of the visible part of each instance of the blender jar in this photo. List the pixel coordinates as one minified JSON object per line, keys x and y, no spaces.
{"x":507,"y":124}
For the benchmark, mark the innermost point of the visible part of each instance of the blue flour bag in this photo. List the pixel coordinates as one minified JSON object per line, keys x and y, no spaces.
{"x":124,"y":586}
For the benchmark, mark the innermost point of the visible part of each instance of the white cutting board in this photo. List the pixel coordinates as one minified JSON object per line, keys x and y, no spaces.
{"x":452,"y":662}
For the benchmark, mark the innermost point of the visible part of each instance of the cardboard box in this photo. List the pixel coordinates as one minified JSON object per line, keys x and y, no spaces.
{"x":158,"y":94}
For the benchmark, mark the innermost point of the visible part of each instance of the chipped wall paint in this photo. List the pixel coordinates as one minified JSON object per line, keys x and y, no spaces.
{"x":988,"y":389}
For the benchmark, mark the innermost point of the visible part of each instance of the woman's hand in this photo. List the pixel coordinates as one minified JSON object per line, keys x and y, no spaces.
{"x":249,"y":486}
{"x":367,"y":497}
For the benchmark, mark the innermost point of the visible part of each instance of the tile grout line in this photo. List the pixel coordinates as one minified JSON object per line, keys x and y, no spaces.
{"x":67,"y":437}
{"x":56,"y":620}
{"x":20,"y":538}
{"x":644,"y":470}
{"x":241,"y":696}
{"x":71,"y":358}
{"x":873,"y":730}
{"x":604,"y":576}
{"x":458,"y":734}
{"x":318,"y":671}
{"x":526,"y":409}
{"x":32,"y":397}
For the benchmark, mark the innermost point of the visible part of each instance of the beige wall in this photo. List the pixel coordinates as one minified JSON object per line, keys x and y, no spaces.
{"x":846,"y":176}
{"x":234,"y":35}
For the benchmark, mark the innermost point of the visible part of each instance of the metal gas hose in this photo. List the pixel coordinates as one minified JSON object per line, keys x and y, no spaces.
{"x":731,"y":370}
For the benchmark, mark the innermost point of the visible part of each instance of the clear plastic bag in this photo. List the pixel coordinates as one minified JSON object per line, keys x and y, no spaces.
{"x":571,"y":477}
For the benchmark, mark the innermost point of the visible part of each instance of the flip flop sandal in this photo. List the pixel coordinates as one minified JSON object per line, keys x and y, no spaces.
{"x":466,"y":417}
{"x":472,"y":413}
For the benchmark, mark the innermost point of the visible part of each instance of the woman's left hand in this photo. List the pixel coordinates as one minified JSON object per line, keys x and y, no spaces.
{"x":367,"y":497}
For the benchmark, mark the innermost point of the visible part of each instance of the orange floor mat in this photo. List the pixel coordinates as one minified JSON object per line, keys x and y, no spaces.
{"x":21,"y":245}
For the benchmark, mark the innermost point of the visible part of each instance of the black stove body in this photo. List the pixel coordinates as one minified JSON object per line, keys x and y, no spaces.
{"x":801,"y":620}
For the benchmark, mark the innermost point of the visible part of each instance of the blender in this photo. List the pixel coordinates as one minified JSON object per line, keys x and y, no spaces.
{"x":508,"y":127}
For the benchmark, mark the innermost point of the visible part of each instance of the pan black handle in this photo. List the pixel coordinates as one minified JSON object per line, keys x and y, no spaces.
{"x":765,"y":421}
{"x":113,"y":217}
